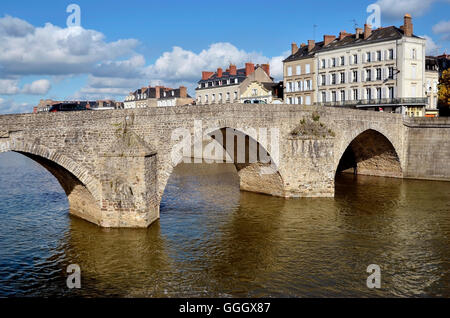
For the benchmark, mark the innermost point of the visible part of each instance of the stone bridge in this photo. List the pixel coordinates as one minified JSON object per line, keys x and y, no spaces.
{"x":114,"y":165}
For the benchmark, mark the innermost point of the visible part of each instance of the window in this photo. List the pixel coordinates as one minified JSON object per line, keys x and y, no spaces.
{"x":391,"y":72}
{"x":378,"y":74}
{"x":213,"y":98}
{"x":333,"y":62}
{"x":220,"y":97}
{"x":355,"y":76}
{"x":300,"y":85}
{"x":236,"y":80}
{"x":355,"y":58}
{"x":254,"y":92}
{"x":333,"y":79}
{"x":323,"y":63}
{"x":378,"y":55}
{"x":368,"y":57}
{"x":210,"y":84}
{"x":228,"y":96}
{"x":324,"y":96}
{"x":299,"y":70}
{"x":342,"y":60}
{"x":368,"y":75}
{"x":378,"y":92}
{"x":235,"y":95}
{"x":333,"y":96}
{"x":391,"y":54}
{"x":307,"y":68}
{"x":309,"y":85}
{"x":342,"y":78}
{"x":414,"y":54}
{"x":342,"y":95}
{"x":308,"y":100}
{"x":323,"y":81}
{"x":289,"y":71}
{"x":206,"y":98}
{"x":355,"y":94}
{"x":391,"y":92}
{"x":368,"y":93}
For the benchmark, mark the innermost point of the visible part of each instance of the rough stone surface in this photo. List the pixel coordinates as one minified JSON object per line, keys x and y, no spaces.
{"x":114,"y":165}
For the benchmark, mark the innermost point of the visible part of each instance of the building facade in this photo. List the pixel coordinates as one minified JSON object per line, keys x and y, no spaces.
{"x":262,"y":93}
{"x":299,"y":71}
{"x":158,"y":96}
{"x":382,"y":69}
{"x":225,"y":87}
{"x":431,"y":86}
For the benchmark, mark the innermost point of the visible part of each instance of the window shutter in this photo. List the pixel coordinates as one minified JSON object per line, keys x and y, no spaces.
{"x":395,"y":53}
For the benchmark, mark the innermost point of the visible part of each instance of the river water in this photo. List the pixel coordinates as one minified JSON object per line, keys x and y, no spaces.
{"x":214,"y":241}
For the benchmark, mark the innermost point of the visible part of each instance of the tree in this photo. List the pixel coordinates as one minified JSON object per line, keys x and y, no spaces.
{"x":444,"y":93}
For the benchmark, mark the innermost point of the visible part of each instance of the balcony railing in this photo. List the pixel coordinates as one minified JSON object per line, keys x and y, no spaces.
{"x":377,"y":102}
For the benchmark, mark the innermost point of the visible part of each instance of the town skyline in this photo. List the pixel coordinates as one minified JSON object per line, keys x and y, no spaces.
{"x":118,"y":57}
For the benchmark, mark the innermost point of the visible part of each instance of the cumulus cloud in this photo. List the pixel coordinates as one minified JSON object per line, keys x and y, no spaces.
{"x":431,"y":48}
{"x":10,"y":106}
{"x":173,"y":68}
{"x":113,"y":68}
{"x":394,"y":9}
{"x":9,"y":86}
{"x":51,"y":50}
{"x":39,"y":87}
{"x":443,"y":28}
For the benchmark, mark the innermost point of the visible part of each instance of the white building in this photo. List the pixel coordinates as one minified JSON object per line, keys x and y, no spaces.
{"x":382,"y":69}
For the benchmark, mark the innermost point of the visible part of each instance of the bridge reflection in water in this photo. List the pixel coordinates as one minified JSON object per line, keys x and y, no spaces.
{"x":213,"y":240}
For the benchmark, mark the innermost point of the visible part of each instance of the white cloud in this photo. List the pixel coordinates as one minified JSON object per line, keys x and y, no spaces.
{"x":173,"y":68}
{"x":11,"y":107}
{"x":51,"y":50}
{"x":431,"y":47}
{"x":113,"y":68}
{"x":443,"y":28}
{"x":39,"y":87}
{"x":395,"y":9}
{"x":9,"y":86}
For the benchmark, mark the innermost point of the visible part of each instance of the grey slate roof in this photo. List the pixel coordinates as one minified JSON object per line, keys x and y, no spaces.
{"x":378,"y":35}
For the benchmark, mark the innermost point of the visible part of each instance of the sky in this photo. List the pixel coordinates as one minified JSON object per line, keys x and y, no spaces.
{"x":120,"y":46}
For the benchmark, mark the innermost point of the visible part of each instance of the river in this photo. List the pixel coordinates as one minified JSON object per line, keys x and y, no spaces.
{"x":214,"y":241}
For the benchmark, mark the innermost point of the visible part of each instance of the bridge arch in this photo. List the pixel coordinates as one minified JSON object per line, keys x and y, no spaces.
{"x":369,"y":152}
{"x":82,"y":190}
{"x":258,"y":171}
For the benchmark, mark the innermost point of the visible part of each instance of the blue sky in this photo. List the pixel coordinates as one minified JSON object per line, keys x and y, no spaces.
{"x":123,"y":45}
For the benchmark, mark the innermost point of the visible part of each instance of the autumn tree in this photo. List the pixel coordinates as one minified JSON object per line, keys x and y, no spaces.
{"x":444,"y":93}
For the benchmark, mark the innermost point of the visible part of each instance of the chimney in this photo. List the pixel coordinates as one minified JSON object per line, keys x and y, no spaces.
{"x":266,"y":68}
{"x":302,"y":45}
{"x":327,"y":39}
{"x":359,"y":32}
{"x":408,"y":25}
{"x":342,"y":35}
{"x":157,"y":92}
{"x":233,"y":70}
{"x":219,"y":72}
{"x":294,"y":48}
{"x":183,"y":92}
{"x":367,"y":31}
{"x":249,"y":68}
{"x":311,"y":44}
{"x":206,"y":75}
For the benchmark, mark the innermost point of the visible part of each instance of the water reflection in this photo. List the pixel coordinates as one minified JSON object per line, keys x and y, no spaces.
{"x":213,"y":240}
